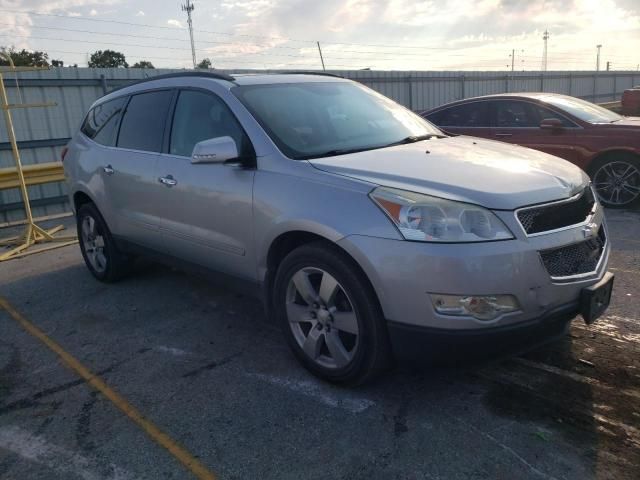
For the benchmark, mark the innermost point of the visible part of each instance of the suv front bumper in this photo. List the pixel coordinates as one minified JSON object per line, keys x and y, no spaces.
{"x":405,"y":274}
{"x":441,"y":345}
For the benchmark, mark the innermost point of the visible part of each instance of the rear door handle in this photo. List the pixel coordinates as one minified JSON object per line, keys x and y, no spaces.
{"x":169,"y":181}
{"x":108,"y":170}
{"x":504,"y":134}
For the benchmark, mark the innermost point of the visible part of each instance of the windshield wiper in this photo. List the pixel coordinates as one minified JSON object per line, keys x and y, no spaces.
{"x":345,"y":151}
{"x":335,"y":152}
{"x":415,"y":138}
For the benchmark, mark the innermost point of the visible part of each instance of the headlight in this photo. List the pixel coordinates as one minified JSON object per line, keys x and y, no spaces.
{"x":431,"y":219}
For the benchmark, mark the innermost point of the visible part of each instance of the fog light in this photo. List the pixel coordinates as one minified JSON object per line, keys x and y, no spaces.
{"x":482,"y":307}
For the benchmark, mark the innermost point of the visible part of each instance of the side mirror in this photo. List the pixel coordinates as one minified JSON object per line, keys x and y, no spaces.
{"x":215,"y":150}
{"x":551,"y":124}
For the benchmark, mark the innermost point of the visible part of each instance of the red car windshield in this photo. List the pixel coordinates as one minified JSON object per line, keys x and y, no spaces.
{"x":582,"y":109}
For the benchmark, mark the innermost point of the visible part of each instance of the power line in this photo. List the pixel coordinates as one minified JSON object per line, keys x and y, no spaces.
{"x":271,"y":54}
{"x":134,"y":24}
{"x":153,"y":37}
{"x":379,"y":46}
{"x":309,"y":64}
{"x":355,"y":55}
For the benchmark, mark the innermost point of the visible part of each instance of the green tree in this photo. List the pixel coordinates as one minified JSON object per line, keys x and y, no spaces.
{"x":25,"y":58}
{"x":107,"y":59}
{"x":57,"y":63}
{"x":205,"y":63}
{"x":143,"y":64}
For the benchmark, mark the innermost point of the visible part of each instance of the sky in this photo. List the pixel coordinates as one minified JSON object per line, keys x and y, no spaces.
{"x":353,"y":34}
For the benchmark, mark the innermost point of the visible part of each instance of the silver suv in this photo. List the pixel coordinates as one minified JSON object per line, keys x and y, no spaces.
{"x":367,"y":230}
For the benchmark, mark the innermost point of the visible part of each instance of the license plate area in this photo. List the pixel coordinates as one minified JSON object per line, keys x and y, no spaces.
{"x":595,"y":299}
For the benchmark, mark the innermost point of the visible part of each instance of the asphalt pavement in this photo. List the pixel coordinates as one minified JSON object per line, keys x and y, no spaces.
{"x":202,"y":366}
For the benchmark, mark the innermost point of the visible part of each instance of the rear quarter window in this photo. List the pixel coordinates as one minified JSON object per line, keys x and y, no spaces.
{"x":101,"y":122}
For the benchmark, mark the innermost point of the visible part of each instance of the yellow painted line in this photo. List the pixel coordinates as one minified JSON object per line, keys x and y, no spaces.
{"x":183,"y":456}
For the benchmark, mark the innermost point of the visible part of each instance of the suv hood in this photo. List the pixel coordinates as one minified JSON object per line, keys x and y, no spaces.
{"x":484,"y":172}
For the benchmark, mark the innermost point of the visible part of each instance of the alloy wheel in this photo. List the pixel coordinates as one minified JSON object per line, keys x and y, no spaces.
{"x":93,"y":243}
{"x":617,"y":183}
{"x":322,"y":318}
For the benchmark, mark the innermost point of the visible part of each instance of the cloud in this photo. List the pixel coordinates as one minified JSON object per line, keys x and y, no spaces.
{"x":383,"y":34}
{"x":16,"y":28}
{"x":51,"y":6}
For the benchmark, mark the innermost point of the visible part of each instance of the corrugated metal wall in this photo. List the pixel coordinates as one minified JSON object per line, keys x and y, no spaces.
{"x":44,"y":131}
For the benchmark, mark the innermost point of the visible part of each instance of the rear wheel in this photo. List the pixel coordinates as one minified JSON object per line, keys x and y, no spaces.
{"x":98,"y":248}
{"x":616,"y":179}
{"x":330,"y":315}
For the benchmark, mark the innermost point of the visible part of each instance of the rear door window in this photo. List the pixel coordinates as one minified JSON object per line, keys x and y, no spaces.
{"x":515,"y":114}
{"x":102,"y":121}
{"x":144,"y":120}
{"x":472,"y":114}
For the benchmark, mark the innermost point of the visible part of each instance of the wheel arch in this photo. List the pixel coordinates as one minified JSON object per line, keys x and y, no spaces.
{"x":601,"y":156}
{"x":80,"y":198}
{"x":288,"y":241}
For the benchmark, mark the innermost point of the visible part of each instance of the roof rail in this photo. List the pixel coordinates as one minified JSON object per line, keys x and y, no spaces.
{"x":216,"y":76}
{"x":304,"y":72}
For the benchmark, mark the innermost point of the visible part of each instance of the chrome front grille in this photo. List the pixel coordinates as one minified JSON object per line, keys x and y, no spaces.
{"x":557,"y":215}
{"x":575,"y":260}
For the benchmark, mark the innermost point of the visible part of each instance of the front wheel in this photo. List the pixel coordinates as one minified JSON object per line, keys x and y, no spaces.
{"x":616,"y":179}
{"x":330,"y":315}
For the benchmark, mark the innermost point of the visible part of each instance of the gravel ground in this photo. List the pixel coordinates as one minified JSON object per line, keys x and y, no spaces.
{"x":205,"y":366}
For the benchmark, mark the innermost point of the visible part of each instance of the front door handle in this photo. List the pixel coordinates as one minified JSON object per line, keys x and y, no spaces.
{"x":504,"y":134}
{"x":169,"y":181}
{"x":108,"y":170}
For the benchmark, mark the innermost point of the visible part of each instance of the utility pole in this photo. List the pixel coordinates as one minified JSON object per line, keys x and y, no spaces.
{"x":545,"y":37}
{"x":598,"y":58}
{"x":513,"y":58}
{"x":189,"y":8}
{"x":321,"y":59}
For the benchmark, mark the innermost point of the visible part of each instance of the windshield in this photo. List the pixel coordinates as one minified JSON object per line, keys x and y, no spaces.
{"x":310,"y":120}
{"x":587,"y":111}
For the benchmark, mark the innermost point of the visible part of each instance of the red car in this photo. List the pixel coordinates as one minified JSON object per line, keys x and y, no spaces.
{"x":601,"y":142}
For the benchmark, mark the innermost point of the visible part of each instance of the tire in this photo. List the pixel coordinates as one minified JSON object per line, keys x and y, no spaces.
{"x":98,"y":248}
{"x":616,"y":179}
{"x":330,"y":315}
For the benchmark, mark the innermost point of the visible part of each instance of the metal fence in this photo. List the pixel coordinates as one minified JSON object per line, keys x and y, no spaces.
{"x":43,"y":132}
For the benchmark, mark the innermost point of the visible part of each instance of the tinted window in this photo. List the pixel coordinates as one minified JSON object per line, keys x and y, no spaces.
{"x":144,"y":119}
{"x":472,"y":114}
{"x":514,"y":114}
{"x":309,"y":120}
{"x":200,"y":116}
{"x":102,"y":121}
{"x":545,"y":113}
